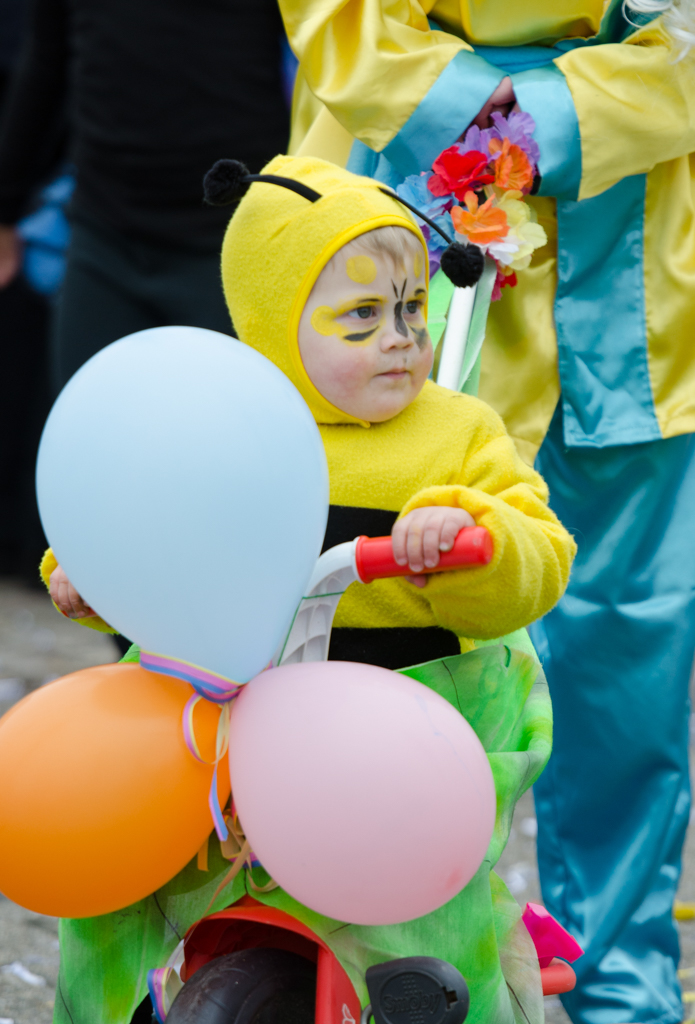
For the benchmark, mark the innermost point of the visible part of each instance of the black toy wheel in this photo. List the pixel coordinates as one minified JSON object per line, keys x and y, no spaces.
{"x":253,"y":986}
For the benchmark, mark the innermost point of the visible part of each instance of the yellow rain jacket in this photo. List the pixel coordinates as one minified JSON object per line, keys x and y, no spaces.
{"x":443,"y":449}
{"x":605,"y":312}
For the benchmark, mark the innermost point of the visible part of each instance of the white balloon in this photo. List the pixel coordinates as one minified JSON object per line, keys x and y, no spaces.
{"x":183,"y":485}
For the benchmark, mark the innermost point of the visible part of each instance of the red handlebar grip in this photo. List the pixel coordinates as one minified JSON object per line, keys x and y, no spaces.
{"x":374,"y":555}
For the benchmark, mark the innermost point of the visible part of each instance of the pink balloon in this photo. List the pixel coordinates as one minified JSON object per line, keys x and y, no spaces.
{"x":363,"y":793}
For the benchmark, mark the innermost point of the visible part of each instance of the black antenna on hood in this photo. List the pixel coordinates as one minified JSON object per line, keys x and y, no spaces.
{"x":228,"y":180}
{"x":462,"y":264}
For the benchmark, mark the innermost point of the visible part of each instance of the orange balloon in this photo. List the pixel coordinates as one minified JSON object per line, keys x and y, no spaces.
{"x":101,"y":801}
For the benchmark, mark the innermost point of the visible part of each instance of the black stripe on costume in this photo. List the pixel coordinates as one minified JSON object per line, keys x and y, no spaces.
{"x":389,"y":647}
{"x":345,"y":522}
{"x":393,"y":647}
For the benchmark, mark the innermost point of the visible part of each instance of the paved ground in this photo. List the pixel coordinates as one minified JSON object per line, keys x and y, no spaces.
{"x":37,"y":645}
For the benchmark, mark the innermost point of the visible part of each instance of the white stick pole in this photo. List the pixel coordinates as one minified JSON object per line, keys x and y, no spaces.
{"x":458,"y":324}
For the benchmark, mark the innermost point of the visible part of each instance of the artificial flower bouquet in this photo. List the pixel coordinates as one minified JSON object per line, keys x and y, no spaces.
{"x":476,"y":191}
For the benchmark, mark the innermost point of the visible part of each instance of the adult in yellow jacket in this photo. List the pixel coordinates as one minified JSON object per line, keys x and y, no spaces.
{"x":591,"y":357}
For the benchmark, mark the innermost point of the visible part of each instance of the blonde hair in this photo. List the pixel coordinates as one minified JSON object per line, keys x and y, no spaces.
{"x":392,"y":241}
{"x":679,"y":19}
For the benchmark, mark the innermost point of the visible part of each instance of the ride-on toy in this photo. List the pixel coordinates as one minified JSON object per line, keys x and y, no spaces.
{"x":254,"y":964}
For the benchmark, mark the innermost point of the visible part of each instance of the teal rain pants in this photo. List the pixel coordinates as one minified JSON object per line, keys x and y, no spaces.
{"x":614,"y":801}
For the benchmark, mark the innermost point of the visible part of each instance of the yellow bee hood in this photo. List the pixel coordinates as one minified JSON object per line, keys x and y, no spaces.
{"x":277,"y":244}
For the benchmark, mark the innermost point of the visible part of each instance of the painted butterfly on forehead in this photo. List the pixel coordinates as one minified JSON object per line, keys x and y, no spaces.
{"x":229,"y":180}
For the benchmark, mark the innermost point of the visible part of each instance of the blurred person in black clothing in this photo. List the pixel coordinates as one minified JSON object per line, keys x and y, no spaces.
{"x":148,"y":94}
{"x":24,"y":395}
{"x":155,"y":91}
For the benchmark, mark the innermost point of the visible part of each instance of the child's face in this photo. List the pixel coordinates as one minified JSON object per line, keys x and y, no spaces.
{"x":363,"y":335}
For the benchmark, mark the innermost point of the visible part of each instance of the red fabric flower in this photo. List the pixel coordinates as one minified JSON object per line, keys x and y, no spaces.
{"x":459,"y":173}
{"x":501,"y":281}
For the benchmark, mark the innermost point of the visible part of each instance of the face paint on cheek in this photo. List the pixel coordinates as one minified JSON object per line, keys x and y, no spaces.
{"x":324,"y":322}
{"x":421,"y":336}
{"x":360,"y":335}
{"x":361,"y":269}
{"x":400,"y":323}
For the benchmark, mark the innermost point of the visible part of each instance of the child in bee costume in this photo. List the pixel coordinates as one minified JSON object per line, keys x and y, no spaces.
{"x":327,"y":277}
{"x":591,"y":365}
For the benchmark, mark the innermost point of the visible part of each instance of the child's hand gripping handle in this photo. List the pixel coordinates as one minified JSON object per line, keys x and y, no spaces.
{"x":364,"y":559}
{"x":374,"y":555}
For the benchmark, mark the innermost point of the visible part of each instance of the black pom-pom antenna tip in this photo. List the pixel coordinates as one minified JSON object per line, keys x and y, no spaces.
{"x":226,"y":181}
{"x":463,"y":264}
{"x":229,"y":180}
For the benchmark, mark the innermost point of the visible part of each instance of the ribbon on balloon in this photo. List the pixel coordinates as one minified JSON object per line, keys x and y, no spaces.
{"x":163,"y":985}
{"x":208,"y":686}
{"x":219,"y":690}
{"x":237,"y":849}
{"x":221,"y":746}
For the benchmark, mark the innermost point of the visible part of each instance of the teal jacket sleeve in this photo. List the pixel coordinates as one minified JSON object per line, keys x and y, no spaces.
{"x":443,"y":115}
{"x":544,"y":94}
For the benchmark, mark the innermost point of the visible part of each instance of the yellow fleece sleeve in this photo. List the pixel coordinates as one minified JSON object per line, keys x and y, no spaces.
{"x":49,"y":562}
{"x":533,"y":552}
{"x":635,"y":106}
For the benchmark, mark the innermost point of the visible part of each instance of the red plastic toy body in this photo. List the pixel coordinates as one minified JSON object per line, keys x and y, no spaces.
{"x":248,"y":924}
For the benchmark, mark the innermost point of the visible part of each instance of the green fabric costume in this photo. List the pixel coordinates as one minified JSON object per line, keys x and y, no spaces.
{"x":500,"y":689}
